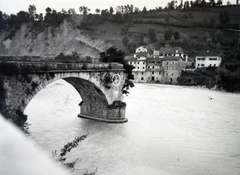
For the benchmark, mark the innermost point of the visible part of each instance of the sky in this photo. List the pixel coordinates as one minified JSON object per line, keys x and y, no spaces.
{"x":14,"y":6}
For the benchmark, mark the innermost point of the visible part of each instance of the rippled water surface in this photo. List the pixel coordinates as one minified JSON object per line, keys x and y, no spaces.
{"x":171,"y":130}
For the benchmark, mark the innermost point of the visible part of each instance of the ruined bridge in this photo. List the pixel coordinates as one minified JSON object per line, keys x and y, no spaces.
{"x":99,"y":85}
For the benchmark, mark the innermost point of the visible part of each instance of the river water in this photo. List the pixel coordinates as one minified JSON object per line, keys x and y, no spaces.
{"x":171,"y":130}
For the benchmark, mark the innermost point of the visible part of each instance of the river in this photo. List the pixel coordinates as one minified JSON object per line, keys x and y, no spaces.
{"x":170,"y":130}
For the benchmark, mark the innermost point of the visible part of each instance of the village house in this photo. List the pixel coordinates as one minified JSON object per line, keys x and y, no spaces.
{"x":163,"y":66}
{"x":207,"y":59}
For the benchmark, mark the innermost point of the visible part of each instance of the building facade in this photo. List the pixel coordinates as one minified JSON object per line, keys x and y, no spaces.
{"x":162,"y":66}
{"x":207,"y":59}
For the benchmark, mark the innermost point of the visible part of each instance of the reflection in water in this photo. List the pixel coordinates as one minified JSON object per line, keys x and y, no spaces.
{"x":171,"y":130}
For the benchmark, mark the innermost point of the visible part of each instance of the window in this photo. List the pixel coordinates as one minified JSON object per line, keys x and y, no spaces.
{"x":201,"y":59}
{"x":137,"y":67}
{"x":143,"y":67}
{"x":198,"y":65}
{"x":214,"y":65}
{"x":153,"y":67}
{"x":213,"y":59}
{"x":167,"y":63}
{"x":202,"y":64}
{"x":142,"y":73}
{"x":142,"y":78}
{"x":159,"y":73}
{"x":152,"y":72}
{"x":138,"y":62}
{"x":172,"y":74}
{"x":172,"y":62}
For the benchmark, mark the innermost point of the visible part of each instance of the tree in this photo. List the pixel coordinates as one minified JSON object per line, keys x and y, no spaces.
{"x":137,"y":39}
{"x":176,"y":35}
{"x":180,"y":5}
{"x":152,"y":35}
{"x":64,"y":11}
{"x":23,"y":17}
{"x":219,"y":3}
{"x":40,"y":17}
{"x":203,"y":3}
{"x":219,"y":36}
{"x":111,"y":10}
{"x":125,"y":41}
{"x":229,"y":3}
{"x":144,"y":10}
{"x":97,"y":11}
{"x":218,"y":47}
{"x":105,"y":13}
{"x":224,"y":18}
{"x":136,"y":10}
{"x":71,"y":11}
{"x":84,"y":10}
{"x":3,"y":23}
{"x":32,"y":11}
{"x":171,"y":5}
{"x":168,"y":33}
{"x":186,"y":5}
{"x":212,"y":3}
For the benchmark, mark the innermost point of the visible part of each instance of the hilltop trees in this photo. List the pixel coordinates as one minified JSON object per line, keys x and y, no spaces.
{"x":84,"y":10}
{"x":32,"y":11}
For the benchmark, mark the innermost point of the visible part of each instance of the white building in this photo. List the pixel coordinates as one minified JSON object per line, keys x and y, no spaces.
{"x":163,"y":66}
{"x":207,"y":59}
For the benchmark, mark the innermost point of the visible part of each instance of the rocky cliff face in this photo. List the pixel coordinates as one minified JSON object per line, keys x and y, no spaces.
{"x":65,"y":38}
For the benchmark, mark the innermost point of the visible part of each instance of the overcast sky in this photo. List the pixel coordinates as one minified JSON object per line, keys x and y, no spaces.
{"x":14,"y":6}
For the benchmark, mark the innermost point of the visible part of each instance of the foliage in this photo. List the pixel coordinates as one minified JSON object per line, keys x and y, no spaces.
{"x":229,"y":74}
{"x":66,"y":149}
{"x":152,"y":35}
{"x":112,"y":54}
{"x":117,"y":103}
{"x":169,"y":32}
{"x":73,"y":58}
{"x":219,"y":36}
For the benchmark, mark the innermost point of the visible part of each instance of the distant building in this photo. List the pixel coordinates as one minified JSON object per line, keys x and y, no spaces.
{"x":163,"y":66}
{"x":207,"y":59}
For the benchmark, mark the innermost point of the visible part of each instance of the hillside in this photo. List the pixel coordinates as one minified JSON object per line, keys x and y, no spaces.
{"x":65,"y":38}
{"x":101,"y":32}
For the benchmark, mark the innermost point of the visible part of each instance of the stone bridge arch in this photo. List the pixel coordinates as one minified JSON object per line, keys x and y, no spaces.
{"x":100,"y":91}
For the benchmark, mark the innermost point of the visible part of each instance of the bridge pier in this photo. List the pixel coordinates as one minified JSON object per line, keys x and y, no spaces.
{"x":110,"y":114}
